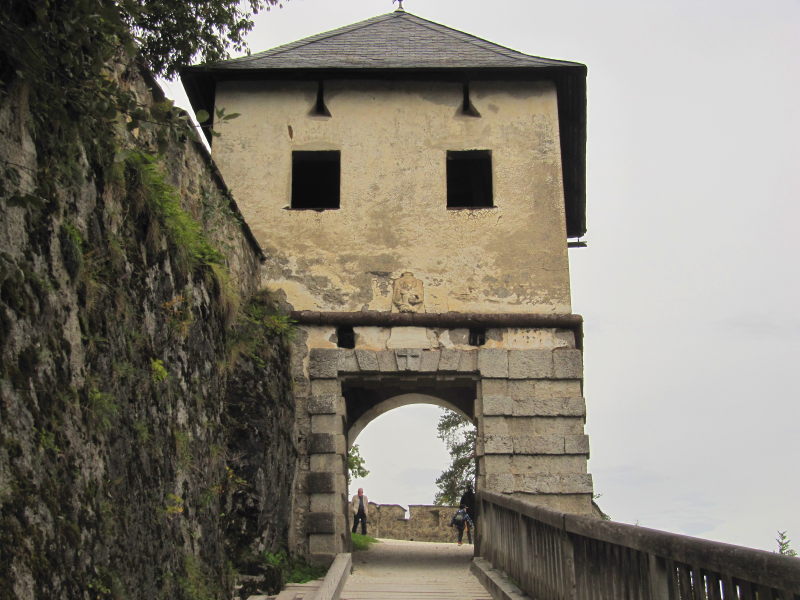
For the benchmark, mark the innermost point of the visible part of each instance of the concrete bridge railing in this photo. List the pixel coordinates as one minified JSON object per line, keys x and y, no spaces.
{"x":552,"y":555}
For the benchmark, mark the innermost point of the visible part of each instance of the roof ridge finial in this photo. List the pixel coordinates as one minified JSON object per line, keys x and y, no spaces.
{"x":399,"y":5}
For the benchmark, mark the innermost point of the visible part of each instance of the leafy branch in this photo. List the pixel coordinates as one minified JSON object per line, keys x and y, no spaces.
{"x":356,"y":465}
{"x":459,"y":435}
{"x":785,"y":544}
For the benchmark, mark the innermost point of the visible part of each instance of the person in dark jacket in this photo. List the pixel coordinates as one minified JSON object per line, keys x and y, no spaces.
{"x":468,"y":500}
{"x":459,"y":521}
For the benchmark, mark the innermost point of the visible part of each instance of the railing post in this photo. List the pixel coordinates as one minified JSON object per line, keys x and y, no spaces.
{"x":659,"y":578}
{"x":476,"y":534}
{"x":570,"y":589}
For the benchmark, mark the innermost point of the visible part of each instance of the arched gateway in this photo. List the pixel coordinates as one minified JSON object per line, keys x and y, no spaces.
{"x":414,"y":189}
{"x":525,"y":401}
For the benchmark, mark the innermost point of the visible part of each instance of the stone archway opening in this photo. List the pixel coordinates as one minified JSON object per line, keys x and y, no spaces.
{"x":526,"y":404}
{"x":397,"y":436}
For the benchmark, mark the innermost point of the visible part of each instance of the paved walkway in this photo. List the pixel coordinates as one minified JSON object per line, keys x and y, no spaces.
{"x":400,"y":570}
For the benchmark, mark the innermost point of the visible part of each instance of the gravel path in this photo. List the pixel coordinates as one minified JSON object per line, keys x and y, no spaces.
{"x":401,"y":570}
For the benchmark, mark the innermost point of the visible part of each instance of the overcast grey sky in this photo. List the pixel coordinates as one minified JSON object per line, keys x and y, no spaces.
{"x":689,"y":285}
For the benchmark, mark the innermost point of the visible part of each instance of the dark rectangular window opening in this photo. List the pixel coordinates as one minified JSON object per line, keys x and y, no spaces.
{"x":345,"y":337}
{"x":469,"y":179}
{"x":315,"y":179}
{"x":477,"y":336}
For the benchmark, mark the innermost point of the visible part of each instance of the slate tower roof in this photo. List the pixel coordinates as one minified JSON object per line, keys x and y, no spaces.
{"x":400,"y":45}
{"x":397,"y":40}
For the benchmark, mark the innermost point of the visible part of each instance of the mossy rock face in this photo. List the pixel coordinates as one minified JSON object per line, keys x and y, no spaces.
{"x":120,"y":480}
{"x":71,"y":250}
{"x":13,"y":291}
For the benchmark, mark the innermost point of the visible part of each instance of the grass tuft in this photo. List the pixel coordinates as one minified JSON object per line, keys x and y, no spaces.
{"x":361,"y":542}
{"x":293,"y":569}
{"x":183,"y":231}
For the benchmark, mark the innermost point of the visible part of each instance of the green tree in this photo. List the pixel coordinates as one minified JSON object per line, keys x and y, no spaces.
{"x":173,"y":34}
{"x":784,"y":544}
{"x":459,"y":435}
{"x":68,"y":57}
{"x":355,"y":464}
{"x":165,"y":35}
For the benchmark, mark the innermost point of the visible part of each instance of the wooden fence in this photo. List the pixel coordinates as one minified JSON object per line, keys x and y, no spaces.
{"x":556,"y":556}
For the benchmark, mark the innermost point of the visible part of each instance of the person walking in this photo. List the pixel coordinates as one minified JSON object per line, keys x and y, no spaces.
{"x":360,"y":508}
{"x":468,"y":502}
{"x":459,"y":521}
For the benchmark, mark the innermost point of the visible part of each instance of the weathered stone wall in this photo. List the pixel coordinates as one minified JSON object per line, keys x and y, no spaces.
{"x":425,"y":522}
{"x":146,"y":420}
{"x":393,"y":139}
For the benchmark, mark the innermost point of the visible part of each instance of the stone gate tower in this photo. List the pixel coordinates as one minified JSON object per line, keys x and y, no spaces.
{"x":414,"y":189}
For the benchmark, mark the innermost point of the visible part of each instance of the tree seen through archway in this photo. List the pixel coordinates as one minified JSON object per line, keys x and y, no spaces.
{"x":415,"y":454}
{"x":458,"y":434}
{"x":402,"y":454}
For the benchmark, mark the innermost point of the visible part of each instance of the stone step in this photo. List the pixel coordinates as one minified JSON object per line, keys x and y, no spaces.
{"x":415,"y":594}
{"x":419,"y":589}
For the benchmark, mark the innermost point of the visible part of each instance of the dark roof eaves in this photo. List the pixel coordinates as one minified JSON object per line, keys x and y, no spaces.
{"x":366,"y":72}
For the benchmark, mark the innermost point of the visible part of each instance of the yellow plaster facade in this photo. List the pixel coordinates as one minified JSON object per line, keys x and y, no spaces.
{"x":393,"y":138}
